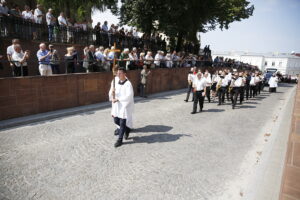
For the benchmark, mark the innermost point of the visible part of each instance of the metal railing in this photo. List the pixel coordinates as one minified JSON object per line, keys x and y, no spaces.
{"x":16,"y":27}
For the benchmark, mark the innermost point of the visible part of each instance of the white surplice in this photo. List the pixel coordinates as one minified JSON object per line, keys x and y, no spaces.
{"x":124,"y":107}
{"x":273,"y":82}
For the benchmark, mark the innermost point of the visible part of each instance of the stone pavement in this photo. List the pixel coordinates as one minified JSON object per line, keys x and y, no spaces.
{"x":170,"y":155}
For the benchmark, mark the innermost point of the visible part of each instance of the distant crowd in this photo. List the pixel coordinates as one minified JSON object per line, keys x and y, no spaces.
{"x":97,"y":59}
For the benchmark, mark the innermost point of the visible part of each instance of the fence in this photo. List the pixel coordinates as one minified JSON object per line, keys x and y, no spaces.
{"x":16,"y":27}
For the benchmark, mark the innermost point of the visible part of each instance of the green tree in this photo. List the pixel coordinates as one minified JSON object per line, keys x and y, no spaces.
{"x":78,"y":9}
{"x":182,"y":19}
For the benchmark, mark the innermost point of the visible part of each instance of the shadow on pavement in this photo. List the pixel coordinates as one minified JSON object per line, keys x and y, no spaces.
{"x":156,"y":138}
{"x":214,"y":110}
{"x":152,"y":128}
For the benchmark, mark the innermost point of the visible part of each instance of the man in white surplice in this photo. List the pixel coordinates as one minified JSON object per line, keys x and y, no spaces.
{"x":122,"y":105}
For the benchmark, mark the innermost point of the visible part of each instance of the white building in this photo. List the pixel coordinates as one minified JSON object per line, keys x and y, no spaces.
{"x":286,"y":64}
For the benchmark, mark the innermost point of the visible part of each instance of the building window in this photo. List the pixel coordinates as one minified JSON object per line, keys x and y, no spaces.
{"x":266,"y":63}
{"x":280,"y":64}
{"x":273,"y":63}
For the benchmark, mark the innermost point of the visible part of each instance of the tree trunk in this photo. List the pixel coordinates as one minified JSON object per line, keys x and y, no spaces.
{"x":67,"y":8}
{"x":179,"y":42}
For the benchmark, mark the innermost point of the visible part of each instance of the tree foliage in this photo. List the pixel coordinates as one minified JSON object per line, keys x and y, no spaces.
{"x":78,"y":9}
{"x":182,"y":19}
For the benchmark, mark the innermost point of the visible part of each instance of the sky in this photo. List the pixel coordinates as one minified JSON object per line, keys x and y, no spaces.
{"x":274,"y":27}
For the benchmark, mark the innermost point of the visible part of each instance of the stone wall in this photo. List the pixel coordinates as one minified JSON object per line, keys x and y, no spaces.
{"x":290,"y":188}
{"x":31,"y":95}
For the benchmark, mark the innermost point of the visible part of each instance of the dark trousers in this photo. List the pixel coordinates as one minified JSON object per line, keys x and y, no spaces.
{"x":208,"y":93}
{"x":221,"y":94}
{"x":20,"y":71}
{"x":190,"y":89}
{"x":272,"y":89}
{"x":55,"y":69}
{"x":227,"y":90}
{"x":122,"y":123}
{"x":247,"y":89}
{"x":242,"y":94}
{"x":258,"y":87}
{"x":198,"y":98}
{"x":234,"y":95}
{"x":253,"y":91}
{"x":143,"y":90}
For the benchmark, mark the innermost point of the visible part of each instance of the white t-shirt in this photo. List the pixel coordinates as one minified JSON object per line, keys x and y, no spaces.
{"x":62,"y":21}
{"x":38,"y":19}
{"x":18,"y":57}
{"x":238,"y":82}
{"x":27,"y":15}
{"x":200,"y":84}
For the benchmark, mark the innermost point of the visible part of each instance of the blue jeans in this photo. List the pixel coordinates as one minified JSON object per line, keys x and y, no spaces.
{"x":50,"y":30}
{"x":122,"y":123}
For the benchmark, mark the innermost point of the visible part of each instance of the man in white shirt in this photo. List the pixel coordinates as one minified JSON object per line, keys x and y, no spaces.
{"x":38,"y":14}
{"x":122,"y":100}
{"x":223,"y":86}
{"x":10,"y":51}
{"x":252,"y":86}
{"x":27,"y":14}
{"x":19,"y":58}
{"x":190,"y":79}
{"x":50,"y":19}
{"x":228,"y":77}
{"x":273,"y":83}
{"x":236,"y":85}
{"x":199,"y":86}
{"x":62,"y":20}
{"x":207,"y":76}
{"x":157,"y":59}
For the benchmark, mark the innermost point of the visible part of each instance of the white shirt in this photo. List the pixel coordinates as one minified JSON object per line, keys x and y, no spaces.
{"x":18,"y":57}
{"x":49,"y":18}
{"x":62,"y":21}
{"x":238,"y":82}
{"x":252,"y":81}
{"x":190,"y":77}
{"x":10,"y":50}
{"x":224,"y":81}
{"x":228,"y":76}
{"x":208,"y":80}
{"x":200,"y":84}
{"x":27,"y":15}
{"x":38,"y":19}
{"x":273,"y":82}
{"x":157,"y":59}
{"x":124,"y":107}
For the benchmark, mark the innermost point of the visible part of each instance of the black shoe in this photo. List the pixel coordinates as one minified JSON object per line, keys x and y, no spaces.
{"x":186,"y":100}
{"x":193,"y":113}
{"x":118,"y":143}
{"x":200,"y":110}
{"x":219,"y":104}
{"x":127,"y":133}
{"x":116,"y":132}
{"x":232,"y":107}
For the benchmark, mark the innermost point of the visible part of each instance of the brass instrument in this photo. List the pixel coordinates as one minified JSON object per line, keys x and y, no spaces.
{"x":218,"y":85}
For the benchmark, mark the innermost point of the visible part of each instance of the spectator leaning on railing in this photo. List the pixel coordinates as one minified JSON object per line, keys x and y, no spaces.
{"x":20,"y":60}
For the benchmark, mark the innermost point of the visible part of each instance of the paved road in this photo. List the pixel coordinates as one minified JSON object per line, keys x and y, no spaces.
{"x":171,"y":154}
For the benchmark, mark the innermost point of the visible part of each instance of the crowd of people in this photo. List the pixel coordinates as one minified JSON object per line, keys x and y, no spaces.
{"x":226,"y":83}
{"x":33,"y":23}
{"x":96,"y":59}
